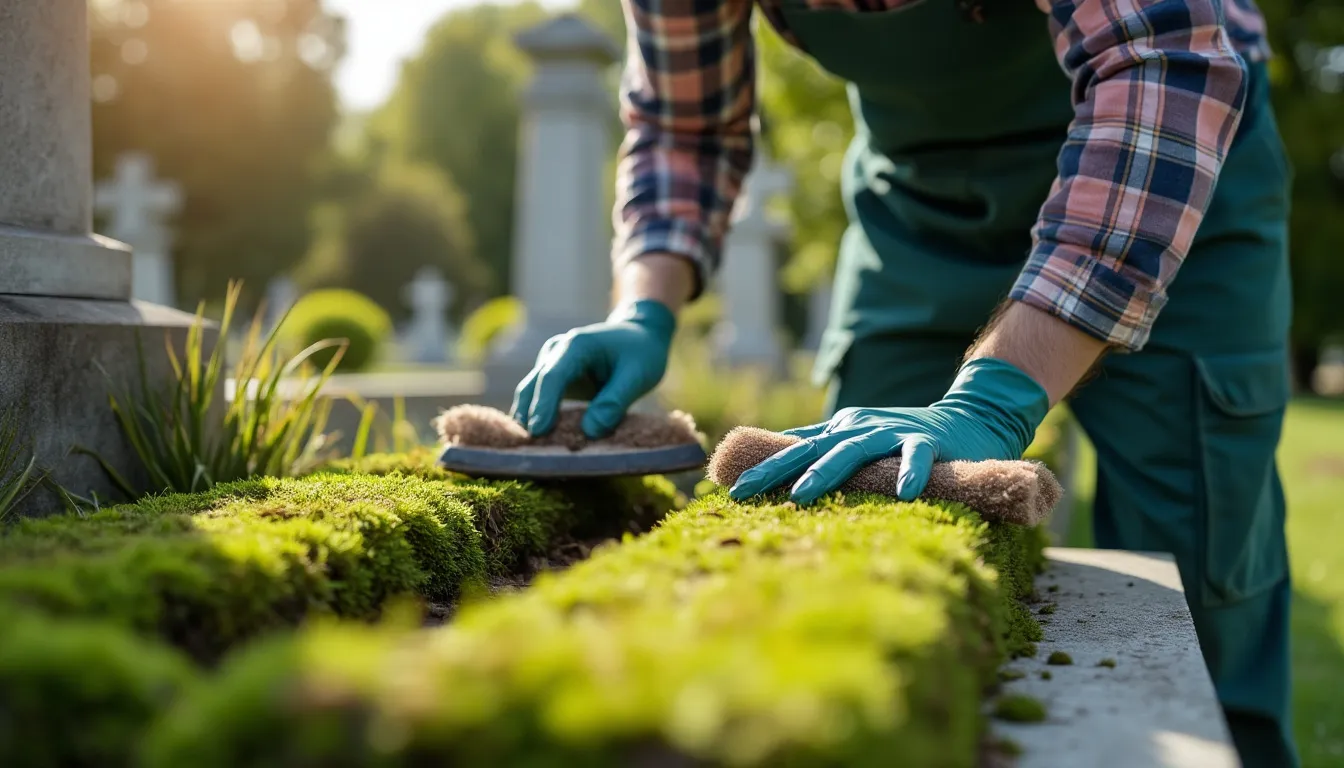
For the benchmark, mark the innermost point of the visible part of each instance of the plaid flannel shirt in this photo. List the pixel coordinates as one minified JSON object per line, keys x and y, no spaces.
{"x":1158,"y":91}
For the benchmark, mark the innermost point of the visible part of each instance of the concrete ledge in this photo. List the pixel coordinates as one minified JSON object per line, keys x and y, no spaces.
{"x":1156,"y":707}
{"x":45,"y":264}
{"x":51,"y":350}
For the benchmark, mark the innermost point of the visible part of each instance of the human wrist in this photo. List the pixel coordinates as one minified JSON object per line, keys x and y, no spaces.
{"x":1003,"y":397}
{"x":647,"y":313}
{"x":663,"y":277}
{"x":1053,"y":353}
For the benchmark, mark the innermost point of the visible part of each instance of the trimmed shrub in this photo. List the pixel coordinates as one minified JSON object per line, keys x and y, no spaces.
{"x":78,"y":693}
{"x":485,"y":326}
{"x":337,"y":313}
{"x":730,"y":635}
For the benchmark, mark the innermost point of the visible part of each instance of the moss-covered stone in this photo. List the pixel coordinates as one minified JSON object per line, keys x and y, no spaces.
{"x":206,"y":571}
{"x":731,"y":634}
{"x":1020,"y":709}
{"x":581,"y":508}
{"x":1059,"y":659}
{"x":1109,"y":663}
{"x":80,"y":694}
{"x":1009,"y":675}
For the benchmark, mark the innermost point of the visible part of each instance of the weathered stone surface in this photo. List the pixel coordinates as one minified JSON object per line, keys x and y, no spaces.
{"x":1156,"y":707}
{"x":44,"y":264}
{"x":46,"y":158}
{"x":52,"y":349}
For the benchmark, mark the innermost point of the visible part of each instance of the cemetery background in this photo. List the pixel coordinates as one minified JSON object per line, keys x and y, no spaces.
{"x":422,"y":207}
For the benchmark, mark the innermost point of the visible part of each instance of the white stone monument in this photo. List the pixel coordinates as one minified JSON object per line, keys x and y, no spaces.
{"x":748,"y":279}
{"x":429,"y":335}
{"x":561,"y":259}
{"x":137,"y":207}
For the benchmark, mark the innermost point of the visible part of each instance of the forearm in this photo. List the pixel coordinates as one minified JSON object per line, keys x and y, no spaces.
{"x":1052,"y":352}
{"x":662,"y":277}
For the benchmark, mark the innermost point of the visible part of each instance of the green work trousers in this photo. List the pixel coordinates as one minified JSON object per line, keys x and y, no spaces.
{"x":1185,"y":430}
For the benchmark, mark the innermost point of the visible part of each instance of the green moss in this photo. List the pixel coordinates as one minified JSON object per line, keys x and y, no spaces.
{"x":730,"y":634}
{"x":584,"y":508}
{"x":1046,"y":610}
{"x":1008,"y":675}
{"x":1059,"y":659}
{"x":1007,"y":747}
{"x":1045,"y":674}
{"x":1107,"y":663}
{"x":1019,"y":709}
{"x":80,"y":694}
{"x":1052,"y":588}
{"x":207,"y":571}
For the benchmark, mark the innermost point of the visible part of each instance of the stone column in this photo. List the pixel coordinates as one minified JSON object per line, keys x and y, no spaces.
{"x":749,"y":280}
{"x":561,"y":259}
{"x":64,"y":291}
{"x":47,"y":246}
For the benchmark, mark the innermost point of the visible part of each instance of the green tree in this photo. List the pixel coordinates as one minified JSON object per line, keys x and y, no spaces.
{"x":377,"y":237}
{"x":456,"y":107}
{"x":234,"y":101}
{"x":1309,"y":104}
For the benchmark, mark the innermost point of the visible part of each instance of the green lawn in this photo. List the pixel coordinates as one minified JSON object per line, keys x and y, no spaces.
{"x":1312,"y":461}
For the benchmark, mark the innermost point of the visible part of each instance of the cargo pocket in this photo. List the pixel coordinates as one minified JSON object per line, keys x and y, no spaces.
{"x":1242,"y":398}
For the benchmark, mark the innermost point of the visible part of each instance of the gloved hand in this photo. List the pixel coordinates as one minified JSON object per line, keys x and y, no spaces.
{"x":990,"y":412}
{"x":625,"y":355}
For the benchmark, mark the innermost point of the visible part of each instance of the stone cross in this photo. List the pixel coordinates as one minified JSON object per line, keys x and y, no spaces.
{"x":748,"y":280}
{"x":137,"y":206}
{"x":561,"y":262}
{"x":429,"y":336}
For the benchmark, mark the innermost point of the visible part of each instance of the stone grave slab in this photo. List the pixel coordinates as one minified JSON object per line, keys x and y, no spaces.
{"x":1156,"y":708}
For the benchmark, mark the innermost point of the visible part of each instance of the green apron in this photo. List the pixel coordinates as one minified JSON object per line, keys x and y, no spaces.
{"x":958,"y":127}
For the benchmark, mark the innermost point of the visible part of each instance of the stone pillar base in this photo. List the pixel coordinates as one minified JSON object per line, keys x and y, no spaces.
{"x":52,"y":349}
{"x":48,"y":264}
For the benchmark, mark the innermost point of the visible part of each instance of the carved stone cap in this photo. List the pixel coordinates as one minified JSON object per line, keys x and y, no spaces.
{"x":568,"y":36}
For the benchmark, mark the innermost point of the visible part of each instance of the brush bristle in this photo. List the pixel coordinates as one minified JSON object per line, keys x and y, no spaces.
{"x":1021,"y":492}
{"x":485,"y":427}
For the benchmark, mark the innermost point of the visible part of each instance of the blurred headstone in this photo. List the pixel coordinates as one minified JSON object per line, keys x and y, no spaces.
{"x":748,"y":279}
{"x":818,"y":314}
{"x":281,"y":295}
{"x":561,"y":259}
{"x":428,"y":336}
{"x":137,"y":207}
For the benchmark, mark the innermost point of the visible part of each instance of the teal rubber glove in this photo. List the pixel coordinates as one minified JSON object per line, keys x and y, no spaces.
{"x":625,"y":355}
{"x":990,"y":412}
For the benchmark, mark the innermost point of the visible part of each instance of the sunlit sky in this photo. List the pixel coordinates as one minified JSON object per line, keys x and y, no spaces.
{"x":380,"y":34}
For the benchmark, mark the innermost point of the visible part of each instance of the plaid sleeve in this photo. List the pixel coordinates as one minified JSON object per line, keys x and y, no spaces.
{"x":687,"y":101}
{"x":1158,"y":92}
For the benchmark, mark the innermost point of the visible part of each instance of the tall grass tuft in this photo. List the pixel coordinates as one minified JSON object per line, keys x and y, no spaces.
{"x":189,"y":441}
{"x":18,"y":465}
